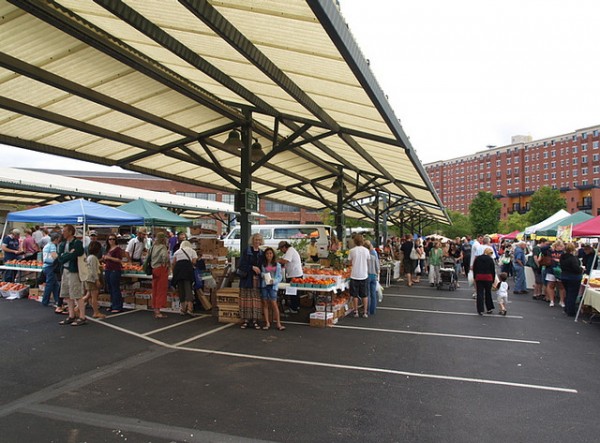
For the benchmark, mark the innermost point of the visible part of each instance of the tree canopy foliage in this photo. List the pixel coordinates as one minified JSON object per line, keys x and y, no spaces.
{"x":545,"y":202}
{"x":484,"y":213}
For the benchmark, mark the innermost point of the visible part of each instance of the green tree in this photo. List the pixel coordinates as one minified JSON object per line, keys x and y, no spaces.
{"x":514,"y":222}
{"x":484,"y":213}
{"x":545,"y":202}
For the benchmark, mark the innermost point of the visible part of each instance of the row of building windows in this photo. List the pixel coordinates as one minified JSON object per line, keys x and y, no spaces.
{"x":270,"y":206}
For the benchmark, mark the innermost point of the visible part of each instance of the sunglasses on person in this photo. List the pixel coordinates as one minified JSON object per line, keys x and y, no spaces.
{"x":112,"y":238}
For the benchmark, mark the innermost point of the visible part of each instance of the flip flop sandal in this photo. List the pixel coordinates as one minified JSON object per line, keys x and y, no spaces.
{"x":281,"y":328}
{"x":67,"y":321}
{"x":79,"y":322}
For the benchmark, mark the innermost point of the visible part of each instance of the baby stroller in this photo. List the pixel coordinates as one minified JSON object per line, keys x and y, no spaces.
{"x":448,"y":274}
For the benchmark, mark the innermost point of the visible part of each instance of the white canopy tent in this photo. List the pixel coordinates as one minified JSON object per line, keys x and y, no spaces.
{"x":547,"y":222}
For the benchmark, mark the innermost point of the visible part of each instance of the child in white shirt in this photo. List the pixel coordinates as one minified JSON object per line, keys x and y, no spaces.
{"x":502,"y":293}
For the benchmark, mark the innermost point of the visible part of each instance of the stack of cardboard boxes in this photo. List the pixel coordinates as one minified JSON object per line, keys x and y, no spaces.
{"x":228,"y":304}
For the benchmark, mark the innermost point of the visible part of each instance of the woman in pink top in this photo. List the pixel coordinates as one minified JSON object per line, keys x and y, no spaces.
{"x":30,"y":246}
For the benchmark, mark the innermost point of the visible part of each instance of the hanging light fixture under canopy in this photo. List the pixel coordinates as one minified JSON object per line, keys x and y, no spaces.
{"x":233,"y":140}
{"x":256,"y":151}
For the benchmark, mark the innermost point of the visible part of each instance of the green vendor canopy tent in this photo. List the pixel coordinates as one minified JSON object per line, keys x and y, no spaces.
{"x":153,"y":214}
{"x":574,"y":219}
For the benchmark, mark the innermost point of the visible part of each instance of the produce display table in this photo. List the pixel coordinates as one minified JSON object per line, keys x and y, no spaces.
{"x":591,"y":297}
{"x":330,"y":306}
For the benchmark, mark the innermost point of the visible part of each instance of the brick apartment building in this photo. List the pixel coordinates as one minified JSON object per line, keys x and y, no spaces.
{"x":274,"y":212}
{"x":568,"y":162}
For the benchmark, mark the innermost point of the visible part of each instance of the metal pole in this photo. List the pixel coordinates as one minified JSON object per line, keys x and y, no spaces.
{"x":376,"y":239}
{"x":245,"y":180}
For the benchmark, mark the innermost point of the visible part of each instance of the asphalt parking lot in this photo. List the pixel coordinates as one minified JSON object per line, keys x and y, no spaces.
{"x":425,"y":368}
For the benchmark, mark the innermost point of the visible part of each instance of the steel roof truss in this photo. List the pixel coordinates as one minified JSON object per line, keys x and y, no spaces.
{"x":70,"y":87}
{"x":152,"y":31}
{"x":230,"y":34}
{"x":74,"y":25}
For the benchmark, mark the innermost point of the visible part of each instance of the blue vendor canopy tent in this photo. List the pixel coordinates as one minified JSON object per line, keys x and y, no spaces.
{"x":76,"y":212}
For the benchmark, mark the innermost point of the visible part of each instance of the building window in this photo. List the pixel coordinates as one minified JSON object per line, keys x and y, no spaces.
{"x":596,"y":169}
{"x":553,"y":176}
{"x":596,"y":182}
{"x":271,"y":206}
{"x":553,"y":153}
{"x":575,"y":172}
{"x":583,"y":147}
{"x":526,"y":179}
{"x":574,"y":161}
{"x":526,"y":158}
{"x":575,"y":138}
{"x":584,"y":135}
{"x":526,"y":168}
{"x":228,"y":198}
{"x":545,"y":165}
{"x":508,"y":181}
{"x":545,"y":154}
{"x":574,"y":149}
{"x":584,"y":171}
{"x":545,"y":177}
{"x":498,"y":163}
{"x":517,"y":180}
{"x":516,"y":160}
{"x":201,"y":195}
{"x":584,"y":182}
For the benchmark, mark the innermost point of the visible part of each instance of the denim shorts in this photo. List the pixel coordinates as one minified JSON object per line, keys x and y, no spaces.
{"x":268,"y":294}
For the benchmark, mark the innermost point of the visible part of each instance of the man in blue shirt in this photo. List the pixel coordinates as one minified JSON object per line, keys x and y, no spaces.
{"x":12,"y":249}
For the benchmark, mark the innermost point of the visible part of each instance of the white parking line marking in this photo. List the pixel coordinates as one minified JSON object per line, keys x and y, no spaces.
{"x":433,"y":334}
{"x":429,"y":311}
{"x":387,"y":371}
{"x":428,"y":296}
{"x":155,"y":331}
{"x":340,"y":366}
{"x":220,"y":328}
{"x":119,"y":314}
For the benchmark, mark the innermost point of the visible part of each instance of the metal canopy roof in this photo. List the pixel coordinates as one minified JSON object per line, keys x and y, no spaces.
{"x":156,"y":86}
{"x":32,"y":188}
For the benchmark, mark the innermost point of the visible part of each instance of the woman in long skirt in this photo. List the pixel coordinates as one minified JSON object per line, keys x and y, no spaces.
{"x":249,"y":271}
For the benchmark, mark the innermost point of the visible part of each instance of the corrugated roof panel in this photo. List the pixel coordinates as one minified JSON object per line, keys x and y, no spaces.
{"x":309,"y":79}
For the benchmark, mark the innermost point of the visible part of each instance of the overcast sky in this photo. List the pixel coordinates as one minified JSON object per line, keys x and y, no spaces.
{"x":464,"y":74}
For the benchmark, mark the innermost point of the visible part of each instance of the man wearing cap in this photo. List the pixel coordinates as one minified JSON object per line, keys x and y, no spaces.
{"x":137,"y":246}
{"x":293,"y":269}
{"x":11,"y":247}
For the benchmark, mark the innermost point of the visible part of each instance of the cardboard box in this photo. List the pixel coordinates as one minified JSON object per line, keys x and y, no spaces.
{"x":321,"y":319}
{"x":35,"y":294}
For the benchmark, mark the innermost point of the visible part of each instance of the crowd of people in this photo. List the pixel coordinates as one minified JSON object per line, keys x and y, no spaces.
{"x":62,"y":247}
{"x":558,"y":267}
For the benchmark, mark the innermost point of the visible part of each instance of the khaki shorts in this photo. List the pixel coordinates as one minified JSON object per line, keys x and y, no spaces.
{"x":70,"y":285}
{"x":91,"y":286}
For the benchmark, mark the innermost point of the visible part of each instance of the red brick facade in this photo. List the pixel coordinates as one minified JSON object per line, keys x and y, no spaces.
{"x":302,"y":216}
{"x":568,"y":162}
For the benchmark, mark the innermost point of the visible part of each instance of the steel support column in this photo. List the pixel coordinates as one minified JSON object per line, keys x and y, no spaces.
{"x":245,"y":180}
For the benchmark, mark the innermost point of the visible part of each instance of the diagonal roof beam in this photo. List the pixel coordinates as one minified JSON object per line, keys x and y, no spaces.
{"x":152,"y":31}
{"x":69,"y":22}
{"x":230,"y":34}
{"x":178,"y":143}
{"x":70,"y":87}
{"x":67,"y":122}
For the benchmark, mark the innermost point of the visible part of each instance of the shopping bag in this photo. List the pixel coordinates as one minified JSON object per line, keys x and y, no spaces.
{"x":379,"y":292}
{"x":471,"y":279}
{"x":418,"y":269}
